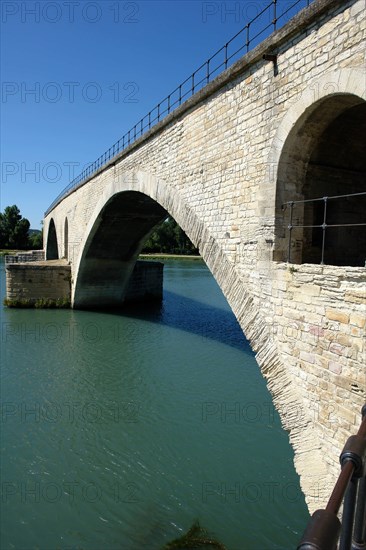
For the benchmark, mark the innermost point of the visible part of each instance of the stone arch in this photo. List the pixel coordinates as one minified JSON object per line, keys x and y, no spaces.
{"x":52,"y":244}
{"x":151,"y":200}
{"x":318,"y":153}
{"x":139,"y":186}
{"x":66,"y":238}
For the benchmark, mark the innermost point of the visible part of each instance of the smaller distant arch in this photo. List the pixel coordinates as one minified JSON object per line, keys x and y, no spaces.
{"x":52,"y":244}
{"x":66,"y":239}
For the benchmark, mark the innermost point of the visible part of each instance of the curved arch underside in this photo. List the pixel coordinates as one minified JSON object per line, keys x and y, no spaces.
{"x":52,"y":244}
{"x":113,"y":246}
{"x":323,"y":156}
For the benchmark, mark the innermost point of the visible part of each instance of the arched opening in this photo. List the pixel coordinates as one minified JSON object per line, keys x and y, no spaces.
{"x":66,"y":239}
{"x":112,"y":248}
{"x":119,"y":227}
{"x":323,"y":169}
{"x":52,"y":245}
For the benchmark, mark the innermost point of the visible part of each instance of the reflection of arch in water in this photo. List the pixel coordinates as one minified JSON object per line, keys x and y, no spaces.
{"x":323,"y":156}
{"x":52,"y":245}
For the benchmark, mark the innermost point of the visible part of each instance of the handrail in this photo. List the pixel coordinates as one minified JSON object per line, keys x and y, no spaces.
{"x":325,"y":530}
{"x":223,"y":58}
{"x":324,"y":226}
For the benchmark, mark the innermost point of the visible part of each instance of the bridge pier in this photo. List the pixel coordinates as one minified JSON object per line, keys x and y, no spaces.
{"x":103,"y":284}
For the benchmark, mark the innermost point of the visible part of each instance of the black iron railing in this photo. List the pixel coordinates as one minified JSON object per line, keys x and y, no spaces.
{"x":268,"y":20}
{"x":325,"y":530}
{"x":324,"y":226}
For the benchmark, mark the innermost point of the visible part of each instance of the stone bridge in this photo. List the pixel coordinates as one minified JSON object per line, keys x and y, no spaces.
{"x":265,"y":131}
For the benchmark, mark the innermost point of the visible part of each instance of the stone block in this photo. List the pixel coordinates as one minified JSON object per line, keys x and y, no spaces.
{"x":336,"y":315}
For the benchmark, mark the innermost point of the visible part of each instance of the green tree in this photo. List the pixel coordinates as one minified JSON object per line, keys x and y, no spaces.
{"x":169,"y":238}
{"x":35,"y":240}
{"x":13,"y":229}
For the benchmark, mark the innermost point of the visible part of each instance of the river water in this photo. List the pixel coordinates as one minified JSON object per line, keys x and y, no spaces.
{"x":119,"y":430}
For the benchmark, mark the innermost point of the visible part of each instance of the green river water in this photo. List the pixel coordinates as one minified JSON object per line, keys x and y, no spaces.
{"x":119,"y":430}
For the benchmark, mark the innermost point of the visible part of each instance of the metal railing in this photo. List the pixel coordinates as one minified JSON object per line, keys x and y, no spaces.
{"x":323,"y":226}
{"x":325,"y":530}
{"x":249,"y":36}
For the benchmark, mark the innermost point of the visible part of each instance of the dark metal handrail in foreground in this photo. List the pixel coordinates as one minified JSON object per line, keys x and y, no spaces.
{"x":223,"y":58}
{"x":325,"y":530}
{"x":324,"y":226}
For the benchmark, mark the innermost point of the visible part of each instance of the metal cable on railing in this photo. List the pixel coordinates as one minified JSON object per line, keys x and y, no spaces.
{"x":241,"y":42}
{"x":323,"y":226}
{"x":325,"y":530}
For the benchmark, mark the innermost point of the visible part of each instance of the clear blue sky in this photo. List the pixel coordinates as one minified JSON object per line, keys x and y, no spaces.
{"x":76,"y":75}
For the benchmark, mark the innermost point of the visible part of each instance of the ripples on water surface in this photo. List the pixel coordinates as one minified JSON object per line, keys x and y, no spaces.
{"x":120,"y":429}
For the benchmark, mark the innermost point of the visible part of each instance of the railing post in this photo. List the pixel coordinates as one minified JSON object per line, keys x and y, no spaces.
{"x":290,"y":227}
{"x":348,"y":515}
{"x":324,"y":227}
{"x":274,"y":15}
{"x":359,"y":534}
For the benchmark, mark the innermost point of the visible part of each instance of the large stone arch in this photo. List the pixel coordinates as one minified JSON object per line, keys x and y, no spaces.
{"x":52,"y":243}
{"x":315,"y":156}
{"x":309,"y":461}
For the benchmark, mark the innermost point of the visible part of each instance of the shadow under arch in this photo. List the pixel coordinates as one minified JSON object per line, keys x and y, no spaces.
{"x":323,"y":156}
{"x":52,"y":244}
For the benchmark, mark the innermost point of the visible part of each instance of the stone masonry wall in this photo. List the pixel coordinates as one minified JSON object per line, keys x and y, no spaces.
{"x":50,"y":280}
{"x":33,"y":281}
{"x":213,"y":166}
{"x":319,"y":325}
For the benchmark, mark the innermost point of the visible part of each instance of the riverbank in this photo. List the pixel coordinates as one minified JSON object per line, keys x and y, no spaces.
{"x":158,"y":256}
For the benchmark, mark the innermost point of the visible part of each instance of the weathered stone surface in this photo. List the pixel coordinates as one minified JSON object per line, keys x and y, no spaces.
{"x":38,"y":280}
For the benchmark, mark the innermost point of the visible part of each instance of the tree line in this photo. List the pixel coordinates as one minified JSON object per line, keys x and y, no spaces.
{"x":169,"y":238}
{"x":15,"y":232}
